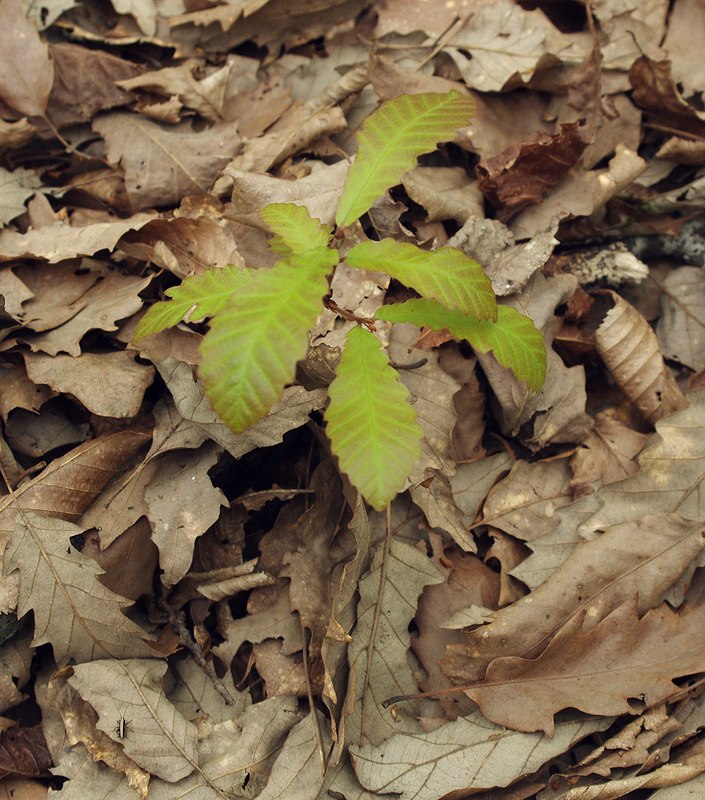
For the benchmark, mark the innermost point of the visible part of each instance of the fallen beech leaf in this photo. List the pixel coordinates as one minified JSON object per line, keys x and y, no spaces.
{"x":163,"y":163}
{"x":26,"y":73}
{"x":629,"y":348}
{"x":468,"y":754}
{"x":157,"y":737}
{"x":108,"y":384}
{"x":596,"y":670}
{"x":73,"y":611}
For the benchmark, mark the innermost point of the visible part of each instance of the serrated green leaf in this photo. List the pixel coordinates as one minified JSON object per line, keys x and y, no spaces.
{"x":390,"y":141}
{"x":513,"y":338}
{"x":371,"y":426}
{"x":196,"y":298}
{"x":295,"y":230}
{"x":250,"y":352}
{"x":446,"y":275}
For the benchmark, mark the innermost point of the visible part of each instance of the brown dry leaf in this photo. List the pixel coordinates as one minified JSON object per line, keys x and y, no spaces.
{"x":26,"y":73}
{"x":656,"y":90}
{"x":445,"y":193}
{"x":524,"y":174}
{"x":596,"y":670}
{"x":473,"y":481}
{"x":67,"y":311}
{"x":681,"y":326}
{"x":629,"y":348}
{"x":16,"y":188}
{"x":84,"y":83}
{"x":524,"y":504}
{"x":185,"y":246}
{"x":73,"y":611}
{"x":162,"y":163}
{"x":159,"y":739}
{"x":36,"y":435}
{"x":597,"y":576}
{"x":17,"y":391}
{"x":607,"y":454}
{"x":508,"y":44}
{"x":468,"y":754}
{"x":182,"y":504}
{"x":108,"y":384}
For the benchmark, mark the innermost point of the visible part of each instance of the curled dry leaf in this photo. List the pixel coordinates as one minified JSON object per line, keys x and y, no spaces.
{"x":631,"y":352}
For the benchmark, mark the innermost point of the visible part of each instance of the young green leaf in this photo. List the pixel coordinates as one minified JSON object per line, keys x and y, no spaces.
{"x":250,"y":352}
{"x":513,"y":338}
{"x":446,"y":275}
{"x":371,"y":426}
{"x":295,"y":230}
{"x":196,"y":298}
{"x":390,"y":141}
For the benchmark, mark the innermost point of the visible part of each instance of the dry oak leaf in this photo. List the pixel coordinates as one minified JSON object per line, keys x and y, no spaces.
{"x":630,"y":350}
{"x":164,"y":163}
{"x":599,"y":576}
{"x":681,"y":326}
{"x":73,"y":611}
{"x":26,"y":73}
{"x":596,"y":670}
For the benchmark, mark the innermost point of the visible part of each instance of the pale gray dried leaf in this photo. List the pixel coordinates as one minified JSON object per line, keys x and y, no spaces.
{"x":195,"y":693}
{"x":16,"y":188}
{"x":473,"y":481}
{"x":290,"y":412}
{"x":144,"y":11}
{"x":524,"y":504}
{"x":108,"y":384}
{"x":598,"y":575}
{"x":60,"y":241}
{"x":73,"y":611}
{"x":671,"y":473}
{"x":681,"y":326}
{"x":445,"y":193}
{"x":318,"y":192}
{"x":630,"y":350}
{"x":182,"y":475}
{"x":158,"y":738}
{"x":36,"y":434}
{"x":378,"y":654}
{"x":163,"y":163}
{"x":508,"y":44}
{"x":26,"y":73}
{"x":470,"y":753}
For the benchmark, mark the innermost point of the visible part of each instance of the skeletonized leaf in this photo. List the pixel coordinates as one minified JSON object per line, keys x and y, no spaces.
{"x":390,"y":141}
{"x":513,"y":338}
{"x":295,"y":230}
{"x":372,"y":428}
{"x":157,"y":737}
{"x":446,"y":275}
{"x":196,"y":298}
{"x":73,"y":611}
{"x":251,"y":350}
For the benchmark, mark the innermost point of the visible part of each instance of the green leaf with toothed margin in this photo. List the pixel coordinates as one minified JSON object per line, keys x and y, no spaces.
{"x":295,"y":230}
{"x":250,"y":352}
{"x":446,"y":275}
{"x":193,"y":300}
{"x":390,"y":141}
{"x":371,"y":425}
{"x":513,"y":338}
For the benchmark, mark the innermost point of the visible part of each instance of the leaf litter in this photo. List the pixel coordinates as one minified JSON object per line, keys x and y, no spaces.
{"x":186,"y":609}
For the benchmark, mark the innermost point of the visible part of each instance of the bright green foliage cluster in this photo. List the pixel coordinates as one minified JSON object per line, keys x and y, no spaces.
{"x":261,"y":318}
